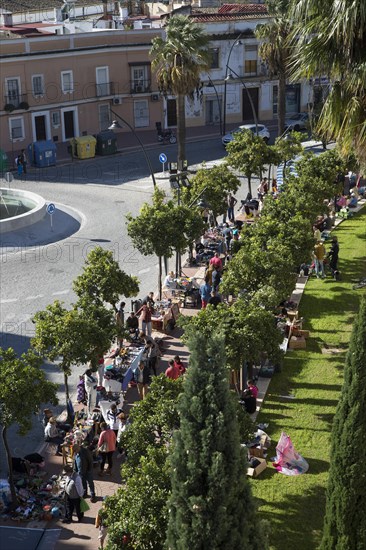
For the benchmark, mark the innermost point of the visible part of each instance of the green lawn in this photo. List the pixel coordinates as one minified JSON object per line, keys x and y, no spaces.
{"x":294,"y":506}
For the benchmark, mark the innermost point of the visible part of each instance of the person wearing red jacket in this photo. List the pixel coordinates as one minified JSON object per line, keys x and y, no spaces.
{"x":172,"y":371}
{"x":178,"y":363}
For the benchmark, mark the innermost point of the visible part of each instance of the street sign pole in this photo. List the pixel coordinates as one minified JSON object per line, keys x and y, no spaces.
{"x":50,"y":210}
{"x":163,"y":158}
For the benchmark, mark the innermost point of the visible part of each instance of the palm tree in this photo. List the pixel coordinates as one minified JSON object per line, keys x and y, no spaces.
{"x":274,"y":50}
{"x":178,"y":59}
{"x":330,"y":39}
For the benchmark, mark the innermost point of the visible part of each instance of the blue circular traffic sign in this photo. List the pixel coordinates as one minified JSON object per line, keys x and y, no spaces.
{"x":51,"y":208}
{"x":163,"y":158}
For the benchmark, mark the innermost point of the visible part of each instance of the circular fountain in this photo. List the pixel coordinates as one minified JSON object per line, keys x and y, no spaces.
{"x":19,"y":209}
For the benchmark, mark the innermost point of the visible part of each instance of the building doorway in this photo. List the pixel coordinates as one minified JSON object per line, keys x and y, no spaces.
{"x":40,"y":127}
{"x":69,"y":125}
{"x":247,"y":108}
{"x":213,"y":110}
{"x":171,"y":112}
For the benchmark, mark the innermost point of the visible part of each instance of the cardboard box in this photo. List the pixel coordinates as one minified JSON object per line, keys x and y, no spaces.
{"x":254,"y":472}
{"x":257,"y":451}
{"x":297,"y":342}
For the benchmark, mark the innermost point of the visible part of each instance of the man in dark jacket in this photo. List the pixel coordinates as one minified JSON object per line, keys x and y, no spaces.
{"x":83,"y":465}
{"x":333,"y":256}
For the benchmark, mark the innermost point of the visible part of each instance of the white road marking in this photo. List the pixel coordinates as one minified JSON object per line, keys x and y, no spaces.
{"x":61,"y":292}
{"x":35,"y":297}
{"x":9,"y":300}
{"x":144,"y":271}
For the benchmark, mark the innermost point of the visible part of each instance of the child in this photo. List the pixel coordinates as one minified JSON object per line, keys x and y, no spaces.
{"x":102,"y":528}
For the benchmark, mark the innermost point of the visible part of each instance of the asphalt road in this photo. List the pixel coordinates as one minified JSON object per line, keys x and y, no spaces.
{"x":99,"y":193}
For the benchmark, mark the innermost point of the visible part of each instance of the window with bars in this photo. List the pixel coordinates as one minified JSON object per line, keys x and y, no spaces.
{"x":16,"y":128}
{"x":67,"y":82}
{"x":215,"y":58}
{"x":37,"y":85}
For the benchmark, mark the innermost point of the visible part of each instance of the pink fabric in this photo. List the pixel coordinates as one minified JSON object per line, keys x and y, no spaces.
{"x":288,"y":461}
{"x":254,"y":391}
{"x":110,"y":437}
{"x":216,"y":262}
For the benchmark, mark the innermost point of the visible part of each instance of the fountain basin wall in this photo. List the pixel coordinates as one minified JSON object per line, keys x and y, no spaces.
{"x":36,"y":213}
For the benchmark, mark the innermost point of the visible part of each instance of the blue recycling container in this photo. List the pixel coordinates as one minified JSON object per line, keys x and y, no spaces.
{"x":42,"y":153}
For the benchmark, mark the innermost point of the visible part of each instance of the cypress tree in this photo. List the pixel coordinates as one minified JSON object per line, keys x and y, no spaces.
{"x":345,"y":518}
{"x":211,"y":506}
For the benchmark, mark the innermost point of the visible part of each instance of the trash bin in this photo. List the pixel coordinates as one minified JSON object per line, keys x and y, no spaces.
{"x":84,"y":146}
{"x":42,"y":153}
{"x":3,"y":161}
{"x":106,"y":143}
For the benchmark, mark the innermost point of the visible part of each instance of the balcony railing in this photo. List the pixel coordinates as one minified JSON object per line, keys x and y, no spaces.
{"x":140,"y":86}
{"x":106,"y":88}
{"x":13,"y":101}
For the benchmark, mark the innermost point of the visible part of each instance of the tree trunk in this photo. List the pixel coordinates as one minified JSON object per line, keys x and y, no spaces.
{"x":250,"y":184}
{"x":181,"y":127}
{"x":281,"y":102}
{"x":14,"y":499}
{"x":159,"y":275}
{"x":67,"y":395}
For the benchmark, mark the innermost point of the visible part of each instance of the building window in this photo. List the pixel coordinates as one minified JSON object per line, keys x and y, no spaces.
{"x":275,"y":100}
{"x":141,"y":113}
{"x":251,"y":58}
{"x":140,"y":79}
{"x":67,"y":82}
{"x":215,"y":58}
{"x":56,"y":119}
{"x":103,"y":86}
{"x":37,"y":85}
{"x":12,"y":87}
{"x":104,"y":117}
{"x":16,"y":129}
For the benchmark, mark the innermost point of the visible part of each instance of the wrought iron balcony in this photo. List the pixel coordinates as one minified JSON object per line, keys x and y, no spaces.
{"x":106,"y":88}
{"x":140,"y":86}
{"x":13,"y":101}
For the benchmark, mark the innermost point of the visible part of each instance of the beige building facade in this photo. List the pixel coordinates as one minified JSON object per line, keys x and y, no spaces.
{"x":59,"y":87}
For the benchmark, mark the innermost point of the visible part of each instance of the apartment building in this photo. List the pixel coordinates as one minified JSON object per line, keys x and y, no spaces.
{"x":59,"y":87}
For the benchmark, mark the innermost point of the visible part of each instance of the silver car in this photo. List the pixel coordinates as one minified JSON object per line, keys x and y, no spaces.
{"x":263,"y":132}
{"x":297,"y":122}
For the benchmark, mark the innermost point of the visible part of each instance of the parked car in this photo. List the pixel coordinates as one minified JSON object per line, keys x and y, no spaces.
{"x":297,"y":122}
{"x":263,"y":132}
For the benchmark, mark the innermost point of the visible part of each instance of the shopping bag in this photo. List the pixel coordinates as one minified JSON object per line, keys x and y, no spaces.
{"x":84,"y":506}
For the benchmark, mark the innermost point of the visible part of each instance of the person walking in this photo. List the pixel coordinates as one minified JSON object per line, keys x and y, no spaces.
{"x":142,"y":379}
{"x":83,"y":465}
{"x":205,"y":293}
{"x":333,"y":256}
{"x":73,"y":492}
{"x":145,"y":311}
{"x":22,"y":159}
{"x":91,"y":389}
{"x":112,"y":417}
{"x":173,"y":372}
{"x":319,"y":254}
{"x":106,"y":446}
{"x":120,"y":320}
{"x":153,"y":351}
{"x":216,"y":279}
{"x":231,"y":202}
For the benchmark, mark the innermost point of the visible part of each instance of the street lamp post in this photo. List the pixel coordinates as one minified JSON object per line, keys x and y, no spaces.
{"x":115,"y":125}
{"x":230,"y":77}
{"x":235,"y":43}
{"x":212,"y":85}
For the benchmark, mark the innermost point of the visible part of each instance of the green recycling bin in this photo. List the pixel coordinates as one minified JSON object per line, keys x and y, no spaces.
{"x":106,"y":143}
{"x":3,"y":161}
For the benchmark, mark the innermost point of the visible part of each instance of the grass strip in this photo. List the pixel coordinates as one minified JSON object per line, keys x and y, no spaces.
{"x":302,"y":399}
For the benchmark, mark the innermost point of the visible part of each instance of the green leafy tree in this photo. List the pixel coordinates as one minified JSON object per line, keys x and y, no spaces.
{"x":211,"y":504}
{"x":249,"y":331}
{"x":275,"y":50}
{"x":23,"y":389}
{"x":345,"y":524}
{"x":156,"y":229}
{"x":178,"y":60}
{"x":248,"y":153}
{"x":214,"y":185}
{"x":102,"y":279}
{"x":139,"y":507}
{"x":330,"y":39}
{"x":73,"y":337}
{"x":288,"y":149}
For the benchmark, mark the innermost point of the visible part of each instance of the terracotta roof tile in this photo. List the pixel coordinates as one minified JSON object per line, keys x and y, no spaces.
{"x":247,"y":9}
